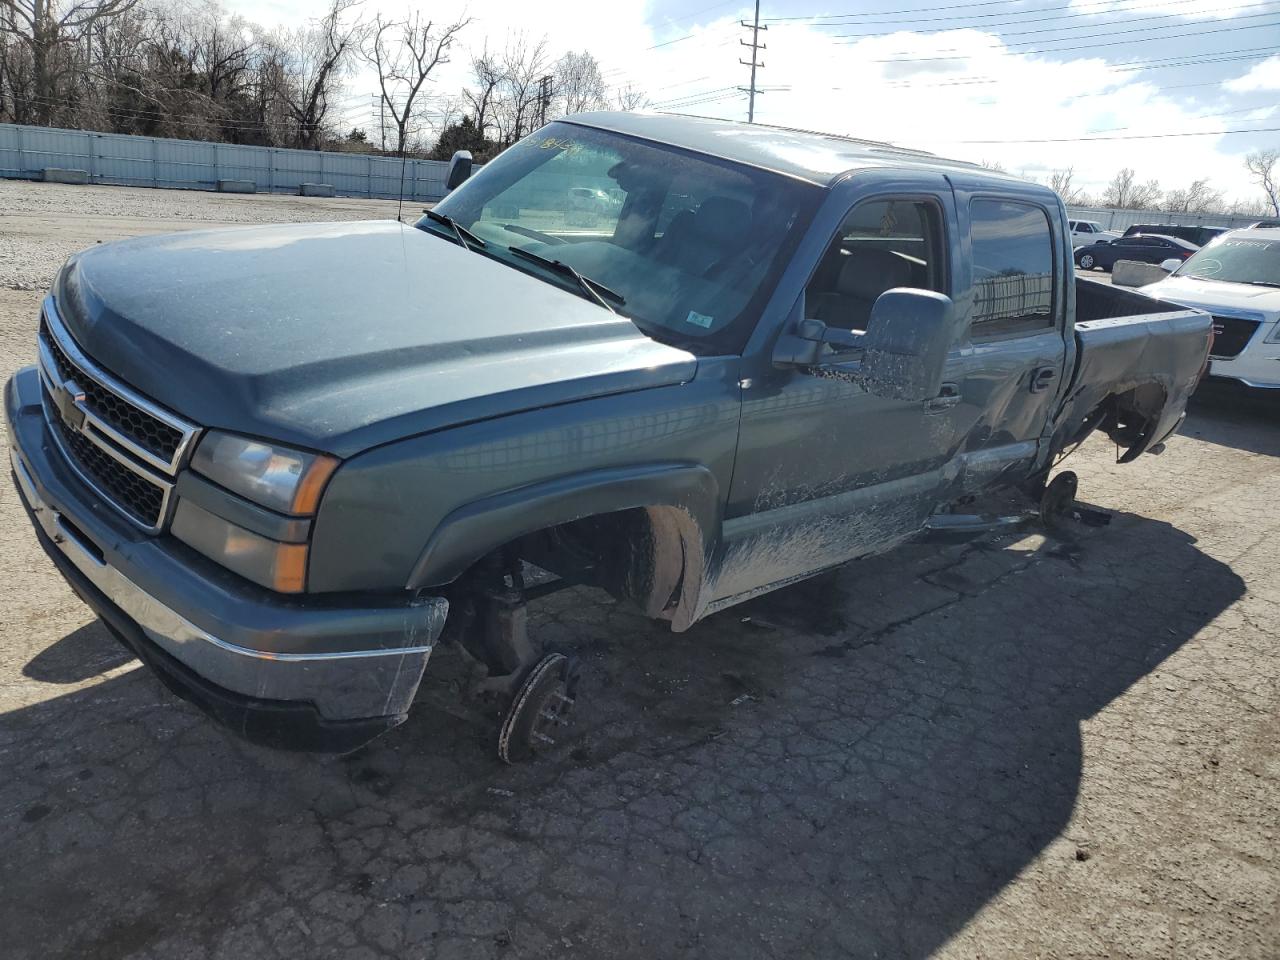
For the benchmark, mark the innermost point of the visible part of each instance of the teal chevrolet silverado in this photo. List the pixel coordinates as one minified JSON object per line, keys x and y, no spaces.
{"x":284,"y":463}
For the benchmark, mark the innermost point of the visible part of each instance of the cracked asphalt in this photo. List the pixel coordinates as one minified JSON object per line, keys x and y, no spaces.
{"x":1037,"y":746}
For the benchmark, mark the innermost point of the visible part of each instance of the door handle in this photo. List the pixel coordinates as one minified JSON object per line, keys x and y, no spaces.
{"x":947,"y":398}
{"x":1041,"y":378}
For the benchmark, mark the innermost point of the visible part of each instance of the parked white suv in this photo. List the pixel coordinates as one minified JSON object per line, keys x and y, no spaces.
{"x":1236,"y":278}
{"x":1089,"y":231}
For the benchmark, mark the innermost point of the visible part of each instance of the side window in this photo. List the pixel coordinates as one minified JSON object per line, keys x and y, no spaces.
{"x":1012,"y":267}
{"x":882,"y":244}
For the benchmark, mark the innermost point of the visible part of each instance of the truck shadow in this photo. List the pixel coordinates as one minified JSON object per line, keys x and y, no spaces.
{"x":1226,"y":414}
{"x":854,"y":766}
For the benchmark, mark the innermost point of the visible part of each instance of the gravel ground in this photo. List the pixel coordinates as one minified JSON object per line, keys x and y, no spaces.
{"x":1032,"y":747}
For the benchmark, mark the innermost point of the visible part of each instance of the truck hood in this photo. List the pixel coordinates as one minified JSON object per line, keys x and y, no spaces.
{"x":1238,"y":299}
{"x":340,"y":337}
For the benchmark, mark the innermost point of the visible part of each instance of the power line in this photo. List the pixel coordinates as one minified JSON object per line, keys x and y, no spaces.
{"x":1132,"y":136}
{"x":989,"y":27}
{"x":874,"y":13}
{"x":1085,"y":46}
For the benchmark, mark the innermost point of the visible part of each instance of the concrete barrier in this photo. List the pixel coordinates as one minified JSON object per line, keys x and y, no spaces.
{"x":1131,"y":273}
{"x":64,"y":175}
{"x":316,"y":190}
{"x":237,"y":186}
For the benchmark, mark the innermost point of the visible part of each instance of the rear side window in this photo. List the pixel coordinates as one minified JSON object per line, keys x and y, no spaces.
{"x":1012,"y":267}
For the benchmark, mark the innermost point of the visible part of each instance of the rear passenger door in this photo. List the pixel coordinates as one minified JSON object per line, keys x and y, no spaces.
{"x":1013,"y":369}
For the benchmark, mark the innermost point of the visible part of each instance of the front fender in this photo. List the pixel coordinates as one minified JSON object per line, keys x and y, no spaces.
{"x":475,"y":529}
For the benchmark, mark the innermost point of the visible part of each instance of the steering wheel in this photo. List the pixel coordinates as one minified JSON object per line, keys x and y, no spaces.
{"x":533,"y":234}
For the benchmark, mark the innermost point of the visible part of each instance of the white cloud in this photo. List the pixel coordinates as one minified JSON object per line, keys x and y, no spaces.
{"x":1264,"y":76}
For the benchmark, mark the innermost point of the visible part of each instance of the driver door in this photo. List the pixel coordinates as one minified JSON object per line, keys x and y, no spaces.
{"x":827,"y":471}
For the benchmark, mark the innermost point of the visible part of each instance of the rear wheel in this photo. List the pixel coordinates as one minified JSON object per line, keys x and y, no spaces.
{"x":1086,"y":261}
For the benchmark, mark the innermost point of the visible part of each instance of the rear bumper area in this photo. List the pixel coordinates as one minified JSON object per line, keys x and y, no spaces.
{"x":288,"y":674}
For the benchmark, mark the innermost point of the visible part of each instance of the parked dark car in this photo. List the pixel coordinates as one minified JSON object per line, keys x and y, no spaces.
{"x":1143,"y":248}
{"x":1264,"y":224}
{"x":1197,"y":235}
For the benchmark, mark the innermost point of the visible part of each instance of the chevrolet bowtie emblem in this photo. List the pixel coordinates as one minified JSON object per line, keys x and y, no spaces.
{"x":67,"y":397}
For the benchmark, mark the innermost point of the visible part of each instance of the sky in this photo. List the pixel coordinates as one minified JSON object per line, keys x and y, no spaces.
{"x":1034,"y":85}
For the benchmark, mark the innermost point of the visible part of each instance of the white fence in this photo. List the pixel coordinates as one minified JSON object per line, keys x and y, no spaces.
{"x":1121,"y":220}
{"x":195,"y":165}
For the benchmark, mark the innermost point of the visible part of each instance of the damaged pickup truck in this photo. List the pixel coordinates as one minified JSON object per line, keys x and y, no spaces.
{"x":282,"y":463}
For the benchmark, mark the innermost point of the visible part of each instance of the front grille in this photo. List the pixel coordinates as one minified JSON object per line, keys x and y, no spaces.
{"x":1231,"y":335}
{"x":125,"y":447}
{"x":139,"y":426}
{"x":129,"y":491}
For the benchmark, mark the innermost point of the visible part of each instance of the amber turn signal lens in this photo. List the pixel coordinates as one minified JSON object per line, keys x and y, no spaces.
{"x":289,"y":572}
{"x":306,"y":497}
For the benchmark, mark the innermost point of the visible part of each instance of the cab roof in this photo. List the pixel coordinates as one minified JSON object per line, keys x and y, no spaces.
{"x":804,"y":154}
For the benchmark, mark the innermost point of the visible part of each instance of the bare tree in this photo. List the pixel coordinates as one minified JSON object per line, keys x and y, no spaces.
{"x":404,"y":53}
{"x":320,"y":56}
{"x":486,"y":73}
{"x":1062,"y":183}
{"x":1199,"y":197}
{"x":515,"y":106}
{"x":995,"y":165}
{"x":628,"y":98}
{"x":1261,"y":165}
{"x":1126,"y":193}
{"x":48,"y":33}
{"x":578,"y":83}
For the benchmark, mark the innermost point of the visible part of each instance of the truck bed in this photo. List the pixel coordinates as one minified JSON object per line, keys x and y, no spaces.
{"x":1138,"y":360}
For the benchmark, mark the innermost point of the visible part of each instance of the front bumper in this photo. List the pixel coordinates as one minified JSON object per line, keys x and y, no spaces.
{"x":293,"y":674}
{"x":1257,"y":365}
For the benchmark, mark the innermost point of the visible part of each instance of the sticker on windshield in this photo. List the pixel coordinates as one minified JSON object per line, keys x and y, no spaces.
{"x":699,"y":320}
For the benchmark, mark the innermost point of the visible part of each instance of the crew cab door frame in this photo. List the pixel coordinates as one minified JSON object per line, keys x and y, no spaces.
{"x":826,"y":471}
{"x":1006,"y":414}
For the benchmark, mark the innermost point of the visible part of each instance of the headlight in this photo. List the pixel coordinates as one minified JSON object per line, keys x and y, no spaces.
{"x":242,"y":514}
{"x":281,"y":479}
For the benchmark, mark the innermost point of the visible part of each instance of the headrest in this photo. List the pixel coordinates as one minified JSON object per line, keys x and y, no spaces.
{"x":869,"y":272}
{"x":722,"y":219}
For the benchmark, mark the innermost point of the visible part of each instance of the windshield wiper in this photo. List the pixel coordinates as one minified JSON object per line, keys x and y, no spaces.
{"x":1262,"y":283}
{"x":465,"y":237}
{"x":593,"y":288}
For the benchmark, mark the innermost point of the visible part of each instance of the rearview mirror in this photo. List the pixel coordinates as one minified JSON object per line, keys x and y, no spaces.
{"x":906,"y":344}
{"x":459,"y":169}
{"x":1170,"y":265}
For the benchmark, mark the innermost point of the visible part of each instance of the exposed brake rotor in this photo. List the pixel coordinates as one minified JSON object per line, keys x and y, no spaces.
{"x":542,"y":704}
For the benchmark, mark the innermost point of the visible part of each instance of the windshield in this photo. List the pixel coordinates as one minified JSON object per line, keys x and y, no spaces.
{"x":691,"y":245}
{"x":1236,"y":259}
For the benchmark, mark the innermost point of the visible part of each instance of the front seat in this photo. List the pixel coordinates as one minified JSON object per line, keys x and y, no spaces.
{"x":695,"y":242}
{"x":866,"y":273}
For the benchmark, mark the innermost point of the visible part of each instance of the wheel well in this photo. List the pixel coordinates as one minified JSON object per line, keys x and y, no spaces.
{"x":648,"y":556}
{"x":1128,"y":417}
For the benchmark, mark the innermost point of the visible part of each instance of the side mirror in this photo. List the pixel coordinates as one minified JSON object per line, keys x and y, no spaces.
{"x":459,"y":169}
{"x":1170,"y":265}
{"x":906,"y":344}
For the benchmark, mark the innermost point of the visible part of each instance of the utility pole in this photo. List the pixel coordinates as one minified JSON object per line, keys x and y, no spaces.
{"x":755,"y":62}
{"x":382,"y":120}
{"x":544,"y":99}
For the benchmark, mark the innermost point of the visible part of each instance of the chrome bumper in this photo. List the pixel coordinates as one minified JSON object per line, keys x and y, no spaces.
{"x":341,"y":685}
